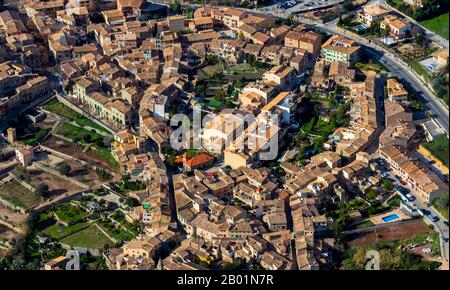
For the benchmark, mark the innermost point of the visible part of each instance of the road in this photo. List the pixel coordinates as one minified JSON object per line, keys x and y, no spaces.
{"x":405,"y":73}
{"x":399,"y":68}
{"x":430,"y":34}
{"x":439,"y":225}
{"x":302,"y":6}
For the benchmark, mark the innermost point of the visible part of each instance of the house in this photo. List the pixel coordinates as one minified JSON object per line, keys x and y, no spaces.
{"x":198,"y":161}
{"x":309,"y":41}
{"x":371,"y":13}
{"x":340,"y":48}
{"x":398,"y":27}
{"x":421,"y":179}
{"x":396,"y":92}
{"x":58,"y":263}
{"x":25,"y":156}
{"x":281,"y":75}
{"x":232,"y":18}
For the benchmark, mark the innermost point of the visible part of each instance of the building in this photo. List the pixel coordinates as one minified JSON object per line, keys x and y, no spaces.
{"x":340,"y":48}
{"x":398,"y":27}
{"x":281,"y":75}
{"x":396,"y":92}
{"x":371,"y":13}
{"x":421,"y":179}
{"x":308,"y":41}
{"x":25,"y":156}
{"x":232,"y":18}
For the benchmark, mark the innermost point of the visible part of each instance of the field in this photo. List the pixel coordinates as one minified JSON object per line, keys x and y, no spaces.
{"x":59,"y":108}
{"x":439,"y":148}
{"x":78,"y":134}
{"x":58,"y":231}
{"x":104,"y":160}
{"x":18,"y":195}
{"x":438,"y":24}
{"x":386,"y":233}
{"x":56,"y":185}
{"x":90,"y":237}
{"x":69,"y":213}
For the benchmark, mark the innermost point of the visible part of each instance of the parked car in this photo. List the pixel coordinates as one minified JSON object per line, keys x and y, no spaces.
{"x":410,"y":197}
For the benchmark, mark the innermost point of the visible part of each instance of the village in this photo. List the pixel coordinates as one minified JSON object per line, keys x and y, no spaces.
{"x":309,"y":149}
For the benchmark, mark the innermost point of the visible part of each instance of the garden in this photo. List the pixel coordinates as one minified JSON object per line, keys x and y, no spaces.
{"x":18,"y":195}
{"x":59,"y":108}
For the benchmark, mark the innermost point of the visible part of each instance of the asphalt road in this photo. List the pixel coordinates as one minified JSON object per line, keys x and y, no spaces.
{"x":435,"y":105}
{"x":439,"y":225}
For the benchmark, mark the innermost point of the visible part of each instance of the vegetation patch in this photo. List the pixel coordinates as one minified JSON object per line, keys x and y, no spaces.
{"x":17,"y":194}
{"x":439,"y":148}
{"x":438,"y":24}
{"x":59,"y":108}
{"x":90,"y":237}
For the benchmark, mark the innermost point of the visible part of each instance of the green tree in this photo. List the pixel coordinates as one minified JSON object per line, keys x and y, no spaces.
{"x":64,"y":168}
{"x":42,"y":189}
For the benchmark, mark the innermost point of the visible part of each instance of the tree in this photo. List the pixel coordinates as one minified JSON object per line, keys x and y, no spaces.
{"x":387,"y":185}
{"x":131,"y":202}
{"x":420,"y":39}
{"x":176,"y":7}
{"x":64,"y":168}
{"x":42,"y":189}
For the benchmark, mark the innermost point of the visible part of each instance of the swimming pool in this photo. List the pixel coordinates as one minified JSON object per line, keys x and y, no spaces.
{"x":390,"y":218}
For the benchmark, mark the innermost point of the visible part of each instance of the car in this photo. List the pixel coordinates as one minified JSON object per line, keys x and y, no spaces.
{"x":446,"y":223}
{"x":433,"y":218}
{"x":402,"y":182}
{"x":410,"y":197}
{"x":402,"y":189}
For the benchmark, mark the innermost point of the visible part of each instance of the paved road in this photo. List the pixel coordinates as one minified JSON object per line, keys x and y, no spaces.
{"x":430,"y":34}
{"x":440,"y":227}
{"x":435,"y":105}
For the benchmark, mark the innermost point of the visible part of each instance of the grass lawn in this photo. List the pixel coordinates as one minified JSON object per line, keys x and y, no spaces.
{"x":439,"y":148}
{"x":439,"y":24}
{"x":419,"y":69}
{"x":316,"y":125}
{"x":33,"y":138}
{"x":73,"y":132}
{"x":90,"y":237}
{"x":18,"y":195}
{"x":365,"y":224}
{"x":58,"y":231}
{"x":214,"y":103}
{"x":59,"y":108}
{"x":70,"y":213}
{"x":103,"y":154}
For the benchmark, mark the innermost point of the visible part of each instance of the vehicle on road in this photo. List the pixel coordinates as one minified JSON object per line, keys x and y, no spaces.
{"x":410,"y":197}
{"x":433,"y":218}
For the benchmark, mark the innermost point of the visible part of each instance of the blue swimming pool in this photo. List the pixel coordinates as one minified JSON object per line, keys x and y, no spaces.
{"x":390,"y":218}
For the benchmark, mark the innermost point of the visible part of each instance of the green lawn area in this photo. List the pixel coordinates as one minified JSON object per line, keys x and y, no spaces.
{"x":365,"y":224}
{"x":59,"y":108}
{"x":316,"y":125}
{"x":419,"y":69}
{"x":32,"y":138}
{"x":438,"y":24}
{"x":103,"y":154}
{"x":439,"y":148}
{"x":214,"y":103}
{"x":58,"y":231}
{"x":391,"y":255}
{"x":73,"y":132}
{"x":70,"y":213}
{"x":18,"y":195}
{"x":90,"y":237}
